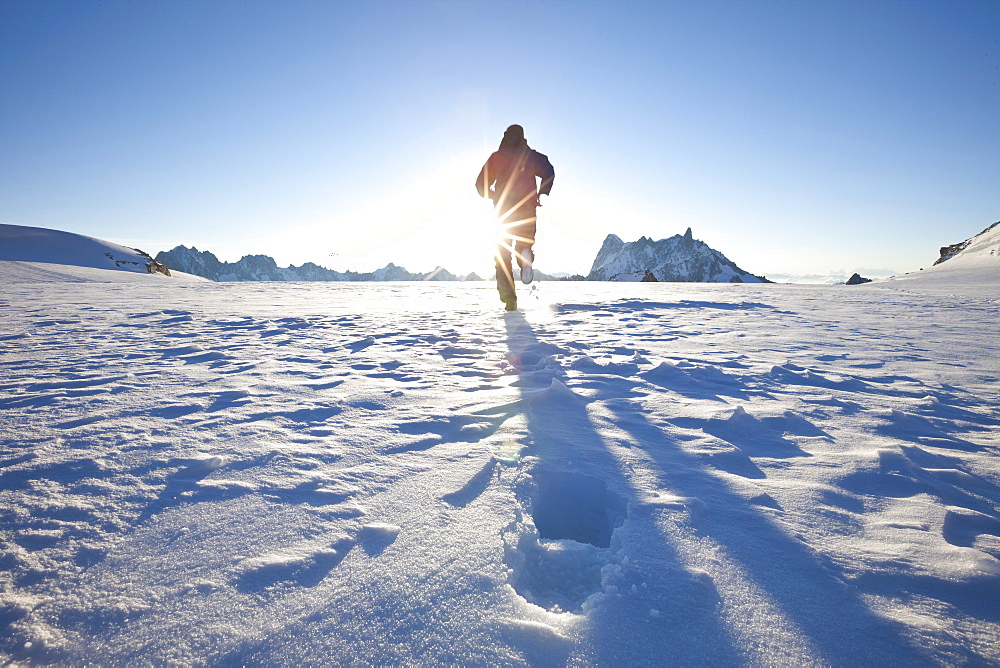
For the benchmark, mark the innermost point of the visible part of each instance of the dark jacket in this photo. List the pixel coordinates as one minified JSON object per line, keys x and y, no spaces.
{"x":508,"y":177}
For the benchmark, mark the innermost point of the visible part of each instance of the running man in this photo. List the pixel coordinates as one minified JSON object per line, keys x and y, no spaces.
{"x":508,"y":179}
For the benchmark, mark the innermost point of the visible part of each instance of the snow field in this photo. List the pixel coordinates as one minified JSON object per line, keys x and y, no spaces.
{"x":619,"y":474}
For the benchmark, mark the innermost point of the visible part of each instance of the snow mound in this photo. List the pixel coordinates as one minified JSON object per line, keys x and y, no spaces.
{"x":36,"y":254}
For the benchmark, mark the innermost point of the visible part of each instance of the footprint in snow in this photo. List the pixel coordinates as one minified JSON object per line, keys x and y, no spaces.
{"x":557,"y":557}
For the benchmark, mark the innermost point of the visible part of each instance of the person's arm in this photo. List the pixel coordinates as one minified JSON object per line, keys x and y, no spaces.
{"x":544,"y":171}
{"x":487,"y":175}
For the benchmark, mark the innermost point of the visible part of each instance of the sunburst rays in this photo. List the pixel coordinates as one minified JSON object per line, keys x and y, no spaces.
{"x":512,"y":242}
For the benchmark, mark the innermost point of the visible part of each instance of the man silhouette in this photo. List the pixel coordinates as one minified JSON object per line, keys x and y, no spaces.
{"x":508,"y":178}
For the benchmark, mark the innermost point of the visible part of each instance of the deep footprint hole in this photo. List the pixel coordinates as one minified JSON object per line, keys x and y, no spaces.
{"x":576,"y":507}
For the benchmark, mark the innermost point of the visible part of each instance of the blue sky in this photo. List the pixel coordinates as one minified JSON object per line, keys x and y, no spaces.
{"x":796,"y":137}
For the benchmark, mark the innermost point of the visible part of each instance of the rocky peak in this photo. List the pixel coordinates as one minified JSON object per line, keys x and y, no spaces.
{"x":677,"y":258}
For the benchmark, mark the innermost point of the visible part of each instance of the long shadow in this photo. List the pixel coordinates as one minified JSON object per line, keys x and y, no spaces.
{"x":687,"y":624}
{"x":809,"y":590}
{"x":670,"y":616}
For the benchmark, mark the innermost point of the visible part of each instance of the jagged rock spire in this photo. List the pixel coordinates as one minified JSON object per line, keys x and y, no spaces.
{"x":679,"y":258}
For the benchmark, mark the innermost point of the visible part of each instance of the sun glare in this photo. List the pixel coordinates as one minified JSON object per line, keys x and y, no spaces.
{"x":432,"y":220}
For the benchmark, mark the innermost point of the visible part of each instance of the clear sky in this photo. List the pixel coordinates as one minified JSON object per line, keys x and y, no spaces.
{"x":795,"y":137}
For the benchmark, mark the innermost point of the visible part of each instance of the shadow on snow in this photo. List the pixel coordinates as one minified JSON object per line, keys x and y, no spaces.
{"x":678,"y":611}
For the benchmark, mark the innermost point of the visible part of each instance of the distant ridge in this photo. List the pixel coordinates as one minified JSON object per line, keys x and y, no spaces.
{"x":264,"y":268}
{"x":680,"y":258}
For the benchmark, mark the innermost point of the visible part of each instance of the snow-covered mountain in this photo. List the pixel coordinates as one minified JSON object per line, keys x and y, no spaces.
{"x":392,"y":272}
{"x":984,"y":248}
{"x":41,"y":255}
{"x":973,"y":264}
{"x":19,"y":243}
{"x":264,"y":268}
{"x":680,"y":258}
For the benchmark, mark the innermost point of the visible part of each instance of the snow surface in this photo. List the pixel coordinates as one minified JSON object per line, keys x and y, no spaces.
{"x":618,"y":474}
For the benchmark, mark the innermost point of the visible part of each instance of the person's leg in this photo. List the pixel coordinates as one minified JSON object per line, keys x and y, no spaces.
{"x":505,"y":277}
{"x":524,"y":240}
{"x":517,"y":235}
{"x":525,"y":259}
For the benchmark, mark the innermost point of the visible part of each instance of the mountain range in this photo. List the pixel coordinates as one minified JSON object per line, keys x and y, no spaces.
{"x":264,"y":268}
{"x":678,"y":258}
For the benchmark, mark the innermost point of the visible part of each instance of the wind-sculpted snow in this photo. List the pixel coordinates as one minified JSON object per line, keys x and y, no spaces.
{"x":618,"y":474}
